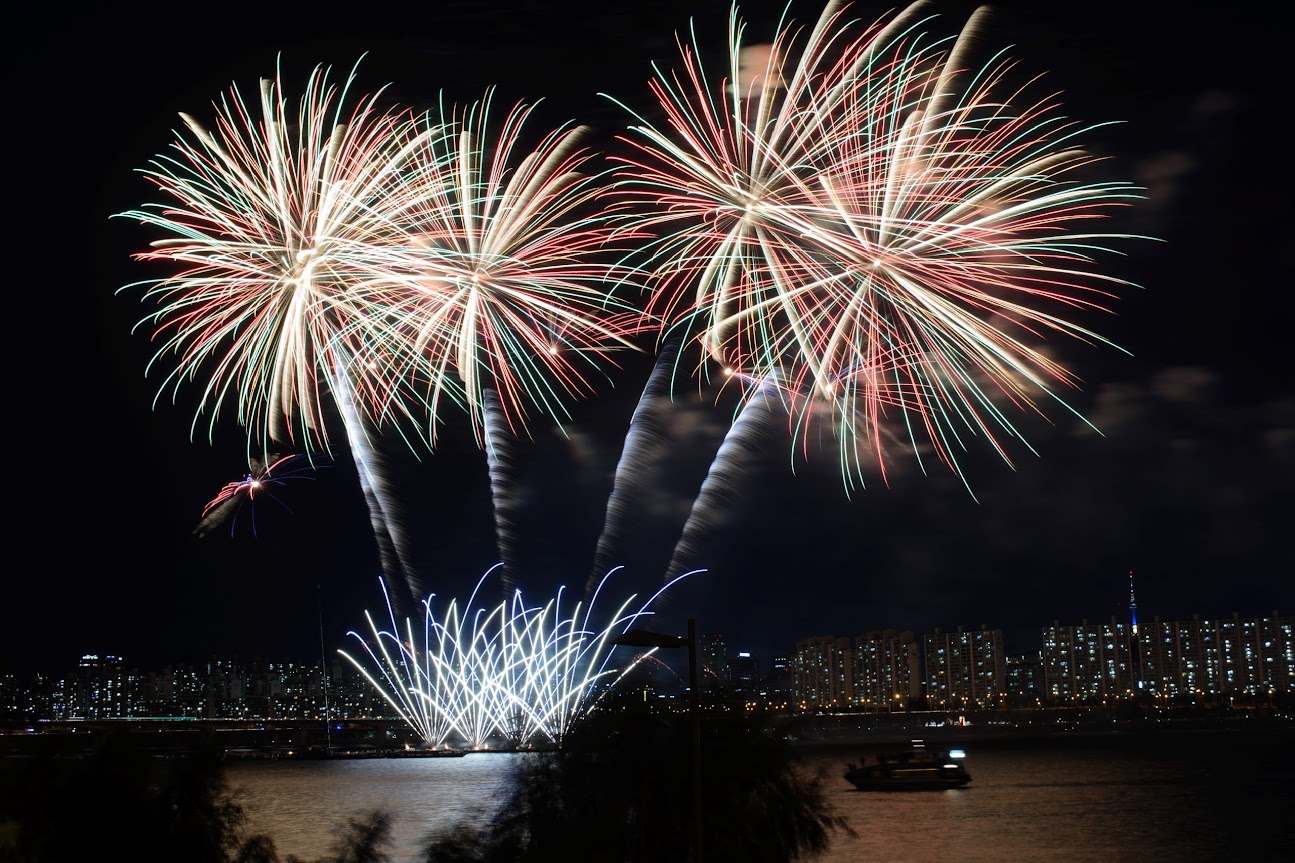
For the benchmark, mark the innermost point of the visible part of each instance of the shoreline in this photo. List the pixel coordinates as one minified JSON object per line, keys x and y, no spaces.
{"x":295,"y":741}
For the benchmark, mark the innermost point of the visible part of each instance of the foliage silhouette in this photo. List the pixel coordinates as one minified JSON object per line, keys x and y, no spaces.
{"x":120,"y":800}
{"x":619,"y":790}
{"x":117,"y":799}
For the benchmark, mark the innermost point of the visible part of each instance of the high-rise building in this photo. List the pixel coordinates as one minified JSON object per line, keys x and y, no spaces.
{"x":1256,"y":655}
{"x":887,"y":670}
{"x":712,"y":661}
{"x":823,"y":673}
{"x":964,"y":668}
{"x":99,"y":688}
{"x":14,"y":705}
{"x":1025,"y":682}
{"x":1251,"y":656}
{"x":1169,"y":658}
{"x":1087,"y":662}
{"x":779,"y":685}
{"x":744,"y":671}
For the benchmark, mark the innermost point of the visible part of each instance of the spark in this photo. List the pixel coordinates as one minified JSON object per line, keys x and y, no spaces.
{"x":500,"y":271}
{"x":261,"y":481}
{"x":883,"y":227}
{"x":513,"y":675}
{"x":267,"y":230}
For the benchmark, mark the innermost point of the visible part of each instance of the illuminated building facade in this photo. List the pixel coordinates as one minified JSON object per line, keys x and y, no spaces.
{"x":887,"y":670}
{"x":823,"y":673}
{"x":964,"y":668}
{"x":712,"y":660}
{"x":99,"y":688}
{"x":744,"y":671}
{"x":1236,"y":655}
{"x":1169,"y":658}
{"x":778,"y":689}
{"x":1087,"y":662}
{"x":1025,"y":682}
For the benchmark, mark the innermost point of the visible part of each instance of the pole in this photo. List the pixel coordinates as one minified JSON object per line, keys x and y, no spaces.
{"x":698,"y":832}
{"x":323,"y":670}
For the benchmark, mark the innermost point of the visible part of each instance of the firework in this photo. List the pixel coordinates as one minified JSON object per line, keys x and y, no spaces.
{"x":498,"y":272}
{"x":377,"y":267}
{"x":513,"y":675}
{"x":498,"y":280}
{"x":267,"y":229}
{"x":867,"y":215}
{"x":261,"y":480}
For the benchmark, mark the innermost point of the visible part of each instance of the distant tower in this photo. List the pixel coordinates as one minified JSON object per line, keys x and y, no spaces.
{"x":1135,"y":645}
{"x":1133,"y":606}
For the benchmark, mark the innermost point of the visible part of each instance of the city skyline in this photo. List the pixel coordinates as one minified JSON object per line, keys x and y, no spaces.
{"x":1013,"y":646}
{"x":1188,"y":485}
{"x":1169,"y":663}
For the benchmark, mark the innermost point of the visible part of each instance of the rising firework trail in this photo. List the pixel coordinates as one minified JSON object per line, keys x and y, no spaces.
{"x":394,"y":552}
{"x":895,"y":228}
{"x":499,"y":447}
{"x":719,"y":491}
{"x":499,"y":276}
{"x":632,"y":480}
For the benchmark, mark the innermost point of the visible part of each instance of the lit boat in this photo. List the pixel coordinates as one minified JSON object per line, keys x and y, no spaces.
{"x":916,"y":768}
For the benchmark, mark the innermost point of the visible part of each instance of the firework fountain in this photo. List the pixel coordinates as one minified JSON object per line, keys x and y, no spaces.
{"x":514,"y":675}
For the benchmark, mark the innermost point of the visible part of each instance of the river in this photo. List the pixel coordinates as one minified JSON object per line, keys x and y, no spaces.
{"x":1198,"y":797}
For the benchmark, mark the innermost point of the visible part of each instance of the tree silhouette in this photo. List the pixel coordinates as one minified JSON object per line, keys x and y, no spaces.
{"x":121,"y":801}
{"x":619,"y":790}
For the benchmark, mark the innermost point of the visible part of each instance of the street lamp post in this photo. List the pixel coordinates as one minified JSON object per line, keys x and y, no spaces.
{"x":646,"y":638}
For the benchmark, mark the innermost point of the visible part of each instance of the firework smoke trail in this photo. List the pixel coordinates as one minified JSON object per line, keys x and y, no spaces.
{"x":499,"y":460}
{"x":388,"y":530}
{"x":871,"y":215}
{"x":754,"y":423}
{"x":645,"y":436}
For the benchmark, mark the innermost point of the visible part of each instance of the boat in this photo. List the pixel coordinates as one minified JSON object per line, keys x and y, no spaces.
{"x":917,"y":768}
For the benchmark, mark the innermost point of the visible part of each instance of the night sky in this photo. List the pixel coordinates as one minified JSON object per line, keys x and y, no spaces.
{"x":1189,"y":484}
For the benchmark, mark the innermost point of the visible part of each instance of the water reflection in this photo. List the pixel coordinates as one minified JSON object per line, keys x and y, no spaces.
{"x":299,"y":803}
{"x":1203,"y":799}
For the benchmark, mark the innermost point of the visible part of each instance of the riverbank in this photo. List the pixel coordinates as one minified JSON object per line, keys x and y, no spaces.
{"x":992,"y":725}
{"x":244,"y":740}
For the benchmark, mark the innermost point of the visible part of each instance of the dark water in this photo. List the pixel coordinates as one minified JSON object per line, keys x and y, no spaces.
{"x":1194,"y":797}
